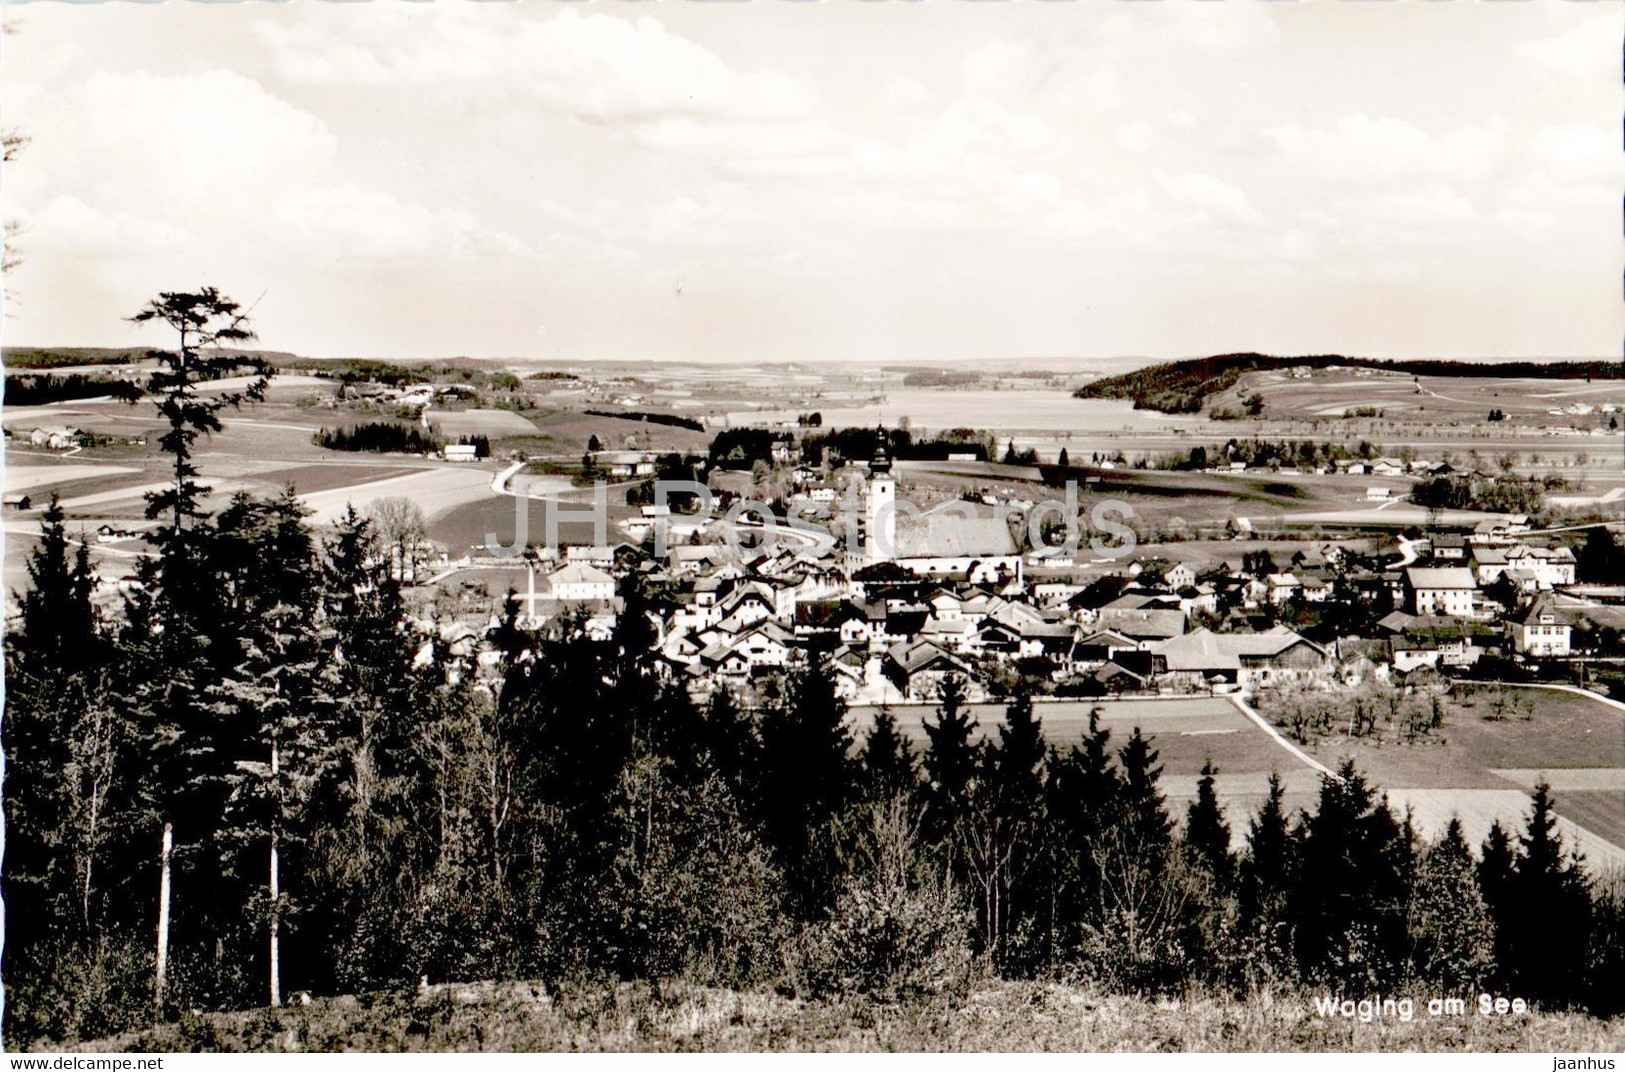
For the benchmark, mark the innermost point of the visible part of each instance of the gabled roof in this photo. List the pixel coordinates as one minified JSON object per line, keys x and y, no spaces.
{"x":945,"y":534}
{"x":922,"y":655}
{"x":579,"y":573}
{"x":1441,"y":577}
{"x":1204,"y":650}
{"x":1144,"y":624}
{"x":1540,"y":606}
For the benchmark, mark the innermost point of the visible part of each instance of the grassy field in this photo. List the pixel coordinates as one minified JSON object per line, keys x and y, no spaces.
{"x":1187,"y":732}
{"x":994,"y":1017}
{"x":1482,"y":766}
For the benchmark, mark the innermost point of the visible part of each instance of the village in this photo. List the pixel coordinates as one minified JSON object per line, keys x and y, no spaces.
{"x":957,"y":590}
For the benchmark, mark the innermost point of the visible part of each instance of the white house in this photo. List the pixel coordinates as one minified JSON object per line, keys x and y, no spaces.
{"x":1539,"y":631}
{"x":578,"y":582}
{"x":1446,"y":590}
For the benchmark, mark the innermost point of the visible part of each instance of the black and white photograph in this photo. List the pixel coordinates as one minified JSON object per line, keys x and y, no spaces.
{"x":1074,"y":526}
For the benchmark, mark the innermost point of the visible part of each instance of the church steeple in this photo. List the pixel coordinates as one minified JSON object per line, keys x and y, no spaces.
{"x":881,"y":462}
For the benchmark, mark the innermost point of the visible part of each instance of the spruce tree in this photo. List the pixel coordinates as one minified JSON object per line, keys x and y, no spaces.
{"x":1082,"y":794}
{"x":889,"y":765}
{"x":1452,"y":934}
{"x":951,"y":760}
{"x":1265,"y":881}
{"x":1548,"y":915}
{"x":1207,"y":835}
{"x":1350,"y":898}
{"x":1497,"y":863}
{"x":1019,"y":761}
{"x":1144,"y":904}
{"x":806,"y":779}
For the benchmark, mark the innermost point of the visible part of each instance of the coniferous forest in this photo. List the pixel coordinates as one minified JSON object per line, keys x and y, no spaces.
{"x":263,"y":704}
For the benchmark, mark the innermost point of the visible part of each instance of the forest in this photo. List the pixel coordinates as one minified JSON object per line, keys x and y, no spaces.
{"x":1186,"y":386}
{"x":260,"y":773}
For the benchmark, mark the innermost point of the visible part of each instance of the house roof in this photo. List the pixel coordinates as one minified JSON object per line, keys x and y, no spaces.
{"x":579,"y":573}
{"x":1144,"y":624}
{"x":1541,"y":605}
{"x":1441,"y":577}
{"x":921,"y":655}
{"x":1204,"y":650}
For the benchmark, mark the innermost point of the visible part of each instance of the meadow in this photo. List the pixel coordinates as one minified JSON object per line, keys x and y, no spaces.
{"x":992,"y":1016}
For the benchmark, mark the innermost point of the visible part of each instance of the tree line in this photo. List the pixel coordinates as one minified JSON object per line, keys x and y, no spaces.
{"x":380,"y":437}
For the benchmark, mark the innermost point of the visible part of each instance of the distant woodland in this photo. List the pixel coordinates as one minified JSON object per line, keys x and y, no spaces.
{"x":1187,"y":386}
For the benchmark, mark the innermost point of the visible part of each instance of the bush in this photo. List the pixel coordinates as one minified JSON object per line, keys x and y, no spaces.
{"x":896,"y":928}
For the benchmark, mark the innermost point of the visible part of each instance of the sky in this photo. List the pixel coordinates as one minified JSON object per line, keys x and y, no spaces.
{"x":777,"y":181}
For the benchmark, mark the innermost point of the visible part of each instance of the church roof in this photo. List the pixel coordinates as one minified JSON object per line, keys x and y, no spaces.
{"x":949,"y":534}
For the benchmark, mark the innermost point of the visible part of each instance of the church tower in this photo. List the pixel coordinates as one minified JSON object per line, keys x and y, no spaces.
{"x":880,"y":514}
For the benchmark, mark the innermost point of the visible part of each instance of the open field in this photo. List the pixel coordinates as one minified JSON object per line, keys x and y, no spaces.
{"x":993,"y":1016}
{"x":436,"y":490}
{"x":1331,"y":393}
{"x":1578,"y":742}
{"x":1484,"y":766}
{"x":1187,"y":732}
{"x":494,"y":423}
{"x":27,"y":478}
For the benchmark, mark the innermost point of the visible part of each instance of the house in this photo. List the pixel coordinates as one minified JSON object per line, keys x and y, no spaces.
{"x":918,"y":669}
{"x":1281,"y":588}
{"x":460,"y":452}
{"x":1142,"y":625}
{"x":767,"y":646}
{"x":1500,"y":529}
{"x":1540,"y":630}
{"x":55,"y":437}
{"x":1378,"y":494}
{"x":1488,"y":564}
{"x":1448,"y":590}
{"x":625,"y":463}
{"x":1315,"y":590}
{"x":1451,"y":546}
{"x":1204,"y":659}
{"x":579,"y":582}
{"x":1101,"y":647}
{"x":1179,"y":575}
{"x":1552,"y":567}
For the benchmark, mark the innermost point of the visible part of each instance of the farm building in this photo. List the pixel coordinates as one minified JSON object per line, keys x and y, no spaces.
{"x":918,"y":670}
{"x":1204,"y":659}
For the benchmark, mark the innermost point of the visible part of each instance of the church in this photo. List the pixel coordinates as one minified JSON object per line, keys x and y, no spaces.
{"x":952,"y":541}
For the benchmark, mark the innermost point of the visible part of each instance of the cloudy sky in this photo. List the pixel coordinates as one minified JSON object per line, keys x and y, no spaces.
{"x":840,"y":180}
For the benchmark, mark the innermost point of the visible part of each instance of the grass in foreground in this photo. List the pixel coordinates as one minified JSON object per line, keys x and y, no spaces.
{"x":998,"y":1017}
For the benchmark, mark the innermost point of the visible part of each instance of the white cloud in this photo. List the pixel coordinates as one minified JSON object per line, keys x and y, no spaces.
{"x":588,"y":65}
{"x":1193,"y":24}
{"x":68,"y":225}
{"x":1212,"y":198}
{"x":1376,"y":150}
{"x":1581,"y":153}
{"x":1587,"y":51}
